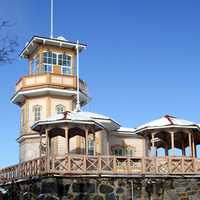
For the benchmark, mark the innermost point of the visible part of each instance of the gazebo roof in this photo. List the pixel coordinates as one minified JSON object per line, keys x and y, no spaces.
{"x":167,"y":121}
{"x":79,"y":117}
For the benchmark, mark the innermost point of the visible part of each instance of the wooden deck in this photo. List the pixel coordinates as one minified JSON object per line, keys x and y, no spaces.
{"x":81,"y":165}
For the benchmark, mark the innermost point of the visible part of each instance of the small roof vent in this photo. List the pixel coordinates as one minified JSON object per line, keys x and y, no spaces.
{"x":61,"y":38}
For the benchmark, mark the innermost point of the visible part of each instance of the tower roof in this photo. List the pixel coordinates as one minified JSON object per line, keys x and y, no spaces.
{"x":35,"y":41}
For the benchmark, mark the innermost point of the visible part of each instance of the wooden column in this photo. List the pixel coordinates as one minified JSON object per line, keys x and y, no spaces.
{"x":86,"y":141}
{"x":47,"y":149}
{"x":193,"y":147}
{"x":95,"y":144}
{"x":153,"y":144}
{"x":183,"y":148}
{"x":66,"y":140}
{"x":108,"y":143}
{"x":40,"y":153}
{"x":172,"y":143}
{"x":190,"y":142}
{"x":166,"y":149}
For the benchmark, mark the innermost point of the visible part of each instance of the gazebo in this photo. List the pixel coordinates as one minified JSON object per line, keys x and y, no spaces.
{"x":171,"y":134}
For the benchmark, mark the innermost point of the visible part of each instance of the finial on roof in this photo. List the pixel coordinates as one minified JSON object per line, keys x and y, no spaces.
{"x":169,"y":118}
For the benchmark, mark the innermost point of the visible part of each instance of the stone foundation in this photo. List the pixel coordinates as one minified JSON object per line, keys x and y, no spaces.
{"x":63,"y":188}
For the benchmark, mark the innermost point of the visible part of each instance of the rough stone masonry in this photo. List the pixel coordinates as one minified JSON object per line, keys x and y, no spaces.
{"x":63,"y":188}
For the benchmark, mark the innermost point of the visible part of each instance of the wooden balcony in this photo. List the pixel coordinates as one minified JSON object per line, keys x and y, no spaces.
{"x":110,"y":166}
{"x":49,"y":80}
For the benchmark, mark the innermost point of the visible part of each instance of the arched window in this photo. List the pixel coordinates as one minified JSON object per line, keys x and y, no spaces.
{"x":37,"y":112}
{"x":60,"y":109}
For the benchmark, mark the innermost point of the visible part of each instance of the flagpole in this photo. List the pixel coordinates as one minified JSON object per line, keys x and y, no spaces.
{"x":77,"y":77}
{"x":51,"y":19}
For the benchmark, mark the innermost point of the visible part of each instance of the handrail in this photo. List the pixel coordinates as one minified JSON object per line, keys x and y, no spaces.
{"x":102,"y":165}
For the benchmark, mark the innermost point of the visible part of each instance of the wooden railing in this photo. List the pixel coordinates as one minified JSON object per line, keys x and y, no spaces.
{"x":55,"y":80}
{"x":102,"y":165}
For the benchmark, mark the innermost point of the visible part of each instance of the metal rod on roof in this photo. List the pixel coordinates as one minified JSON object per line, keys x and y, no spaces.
{"x":51,"y":35}
{"x":78,"y":107}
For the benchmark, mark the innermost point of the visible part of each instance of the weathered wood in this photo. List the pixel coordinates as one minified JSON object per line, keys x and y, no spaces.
{"x":102,"y":165}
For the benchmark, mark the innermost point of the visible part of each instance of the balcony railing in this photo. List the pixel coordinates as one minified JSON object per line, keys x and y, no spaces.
{"x":83,"y":165}
{"x":53,"y":80}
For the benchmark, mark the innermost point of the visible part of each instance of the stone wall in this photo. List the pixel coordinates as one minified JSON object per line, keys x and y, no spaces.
{"x":60,"y":188}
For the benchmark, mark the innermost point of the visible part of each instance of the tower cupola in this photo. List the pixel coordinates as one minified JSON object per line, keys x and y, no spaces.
{"x":52,"y":67}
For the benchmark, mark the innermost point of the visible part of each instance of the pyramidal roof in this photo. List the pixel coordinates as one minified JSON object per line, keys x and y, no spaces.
{"x":166,"y":121}
{"x":80,"y":116}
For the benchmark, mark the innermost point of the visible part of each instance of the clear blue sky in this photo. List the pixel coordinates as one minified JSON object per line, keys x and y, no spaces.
{"x":142,"y":61}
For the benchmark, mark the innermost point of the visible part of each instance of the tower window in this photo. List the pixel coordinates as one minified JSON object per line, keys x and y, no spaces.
{"x":22,"y":118}
{"x":49,"y":58}
{"x":66,"y":70}
{"x":60,"y":109}
{"x":37,"y":112}
{"x":34,"y":64}
{"x":47,"y":68}
{"x":65,"y":62}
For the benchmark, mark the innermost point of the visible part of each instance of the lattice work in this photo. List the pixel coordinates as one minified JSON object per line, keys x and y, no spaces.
{"x":122,"y":163}
{"x":188,"y":166}
{"x":150,"y":166}
{"x":77,"y":164}
{"x":162,"y":165}
{"x":92,"y":164}
{"x":197,"y":165}
{"x":136,"y":165}
{"x":176,"y":166}
{"x":107,"y":164}
{"x":61,"y":165}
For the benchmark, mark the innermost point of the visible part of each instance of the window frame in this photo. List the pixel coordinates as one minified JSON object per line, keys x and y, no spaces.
{"x":58,"y":107}
{"x":125,"y":150}
{"x":91,"y":147}
{"x":37,"y":110}
{"x":68,"y":68}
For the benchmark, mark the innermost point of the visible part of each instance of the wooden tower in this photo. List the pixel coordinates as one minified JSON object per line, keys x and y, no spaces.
{"x":50,"y":87}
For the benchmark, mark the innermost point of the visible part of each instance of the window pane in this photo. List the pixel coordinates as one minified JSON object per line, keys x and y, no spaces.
{"x":90,"y":147}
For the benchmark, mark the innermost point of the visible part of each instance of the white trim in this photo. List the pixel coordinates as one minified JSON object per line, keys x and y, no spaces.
{"x":168,"y":126}
{"x":36,"y":39}
{"x":62,"y":92}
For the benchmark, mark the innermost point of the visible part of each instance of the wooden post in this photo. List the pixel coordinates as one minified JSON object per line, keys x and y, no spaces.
{"x":66,"y":140}
{"x":190,"y":143}
{"x":166,"y":150}
{"x":193,"y":147}
{"x":172,"y":143}
{"x":86,"y":141}
{"x":40,"y":145}
{"x":95,"y":144}
{"x":47,"y":150}
{"x":183,"y":148}
{"x":40,"y":153}
{"x":153,"y":144}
